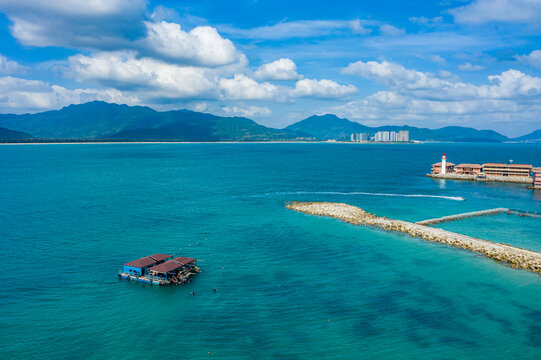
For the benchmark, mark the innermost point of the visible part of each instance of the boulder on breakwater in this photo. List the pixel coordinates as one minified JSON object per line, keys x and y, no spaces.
{"x":514,"y":256}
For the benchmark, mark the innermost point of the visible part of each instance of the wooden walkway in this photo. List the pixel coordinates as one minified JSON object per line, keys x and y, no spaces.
{"x":463,"y":216}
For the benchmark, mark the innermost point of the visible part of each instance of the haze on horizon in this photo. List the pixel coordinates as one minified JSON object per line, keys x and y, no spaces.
{"x":468,"y":63}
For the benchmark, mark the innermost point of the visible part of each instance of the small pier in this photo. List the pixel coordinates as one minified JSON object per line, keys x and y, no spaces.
{"x":524,"y":213}
{"x":514,"y":256}
{"x":463,"y":216}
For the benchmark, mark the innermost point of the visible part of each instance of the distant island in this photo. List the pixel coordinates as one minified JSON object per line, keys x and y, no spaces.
{"x":101,"y":121}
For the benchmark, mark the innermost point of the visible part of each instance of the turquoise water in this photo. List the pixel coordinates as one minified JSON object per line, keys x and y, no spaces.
{"x":293,"y":286}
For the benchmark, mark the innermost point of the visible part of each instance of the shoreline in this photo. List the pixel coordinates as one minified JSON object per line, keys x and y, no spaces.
{"x":515,"y":257}
{"x":201,"y":142}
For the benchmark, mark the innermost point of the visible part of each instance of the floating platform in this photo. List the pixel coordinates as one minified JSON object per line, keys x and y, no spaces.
{"x":143,"y":279}
{"x":160,"y":269}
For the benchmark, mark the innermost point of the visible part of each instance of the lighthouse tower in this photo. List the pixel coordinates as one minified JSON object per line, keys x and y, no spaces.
{"x":443,"y":164}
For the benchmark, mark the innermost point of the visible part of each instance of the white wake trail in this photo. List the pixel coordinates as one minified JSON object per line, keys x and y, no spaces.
{"x":455,"y":198}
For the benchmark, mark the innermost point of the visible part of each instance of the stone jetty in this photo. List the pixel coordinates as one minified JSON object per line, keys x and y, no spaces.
{"x":514,"y":256}
{"x":486,"y":178}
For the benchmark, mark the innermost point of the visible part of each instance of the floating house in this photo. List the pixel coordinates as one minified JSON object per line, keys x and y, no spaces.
{"x":175,"y":270}
{"x":160,"y":269}
{"x":140,"y":266}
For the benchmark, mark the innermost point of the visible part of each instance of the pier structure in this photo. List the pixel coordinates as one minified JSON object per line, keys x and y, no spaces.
{"x":482,"y":177}
{"x":513,"y":256}
{"x":463,"y":216}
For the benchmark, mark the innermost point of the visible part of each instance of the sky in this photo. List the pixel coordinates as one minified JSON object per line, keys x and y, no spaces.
{"x":388,"y":62}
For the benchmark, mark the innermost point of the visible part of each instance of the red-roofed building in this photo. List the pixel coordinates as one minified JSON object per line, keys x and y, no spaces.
{"x":171,"y":267}
{"x":468,"y":169}
{"x":536,"y":178}
{"x":139,"y":266}
{"x":449,"y":168}
{"x":498,"y":169}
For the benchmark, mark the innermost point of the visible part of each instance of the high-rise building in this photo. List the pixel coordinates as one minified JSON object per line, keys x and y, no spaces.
{"x":360,"y":137}
{"x":382,"y":136}
{"x":404,"y":135}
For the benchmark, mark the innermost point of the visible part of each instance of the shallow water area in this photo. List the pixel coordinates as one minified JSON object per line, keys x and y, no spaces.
{"x":289,"y":285}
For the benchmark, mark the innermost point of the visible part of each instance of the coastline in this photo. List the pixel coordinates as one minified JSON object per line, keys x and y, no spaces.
{"x":207,"y":142}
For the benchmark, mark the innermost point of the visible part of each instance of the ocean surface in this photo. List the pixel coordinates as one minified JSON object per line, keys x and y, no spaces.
{"x":289,"y":285}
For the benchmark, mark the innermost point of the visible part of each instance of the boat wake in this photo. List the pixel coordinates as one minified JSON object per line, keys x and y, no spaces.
{"x":455,"y":198}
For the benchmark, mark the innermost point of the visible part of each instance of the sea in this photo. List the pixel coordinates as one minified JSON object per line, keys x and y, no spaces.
{"x":288,"y":285}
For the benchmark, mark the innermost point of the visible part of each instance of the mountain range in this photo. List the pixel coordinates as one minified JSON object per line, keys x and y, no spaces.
{"x":105,"y":121}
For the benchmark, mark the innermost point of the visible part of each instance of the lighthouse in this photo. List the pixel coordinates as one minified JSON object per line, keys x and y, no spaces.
{"x":443,"y":164}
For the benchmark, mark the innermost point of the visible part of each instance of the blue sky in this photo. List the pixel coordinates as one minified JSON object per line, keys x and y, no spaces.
{"x":470,"y":63}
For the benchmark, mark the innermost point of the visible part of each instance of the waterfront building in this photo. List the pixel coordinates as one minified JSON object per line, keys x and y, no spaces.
{"x":352,"y":137}
{"x":443,"y":167}
{"x":500,"y":169}
{"x":536,"y":178}
{"x":469,"y":169}
{"x":140,"y":266}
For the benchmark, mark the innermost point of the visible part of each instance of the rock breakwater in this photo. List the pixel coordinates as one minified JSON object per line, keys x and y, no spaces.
{"x":487,"y":178}
{"x":513,"y":256}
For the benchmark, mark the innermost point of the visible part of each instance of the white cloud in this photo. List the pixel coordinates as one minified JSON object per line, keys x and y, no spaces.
{"x":357,"y":27}
{"x":392,"y":74}
{"x":10,"y":67}
{"x":21,"y":95}
{"x":322,"y":89}
{"x":426,"y":21}
{"x":533,"y":59}
{"x":148,"y":76}
{"x":509,"y":84}
{"x":75,"y":23}
{"x":282,"y":69}
{"x":241,"y":87}
{"x":301,"y":29}
{"x":200,"y":107}
{"x":201,"y":45}
{"x":390,"y":30}
{"x":507,"y":11}
{"x":249,"y":111}
{"x":434,"y":58}
{"x":422,"y":99}
{"x":469,"y":67}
